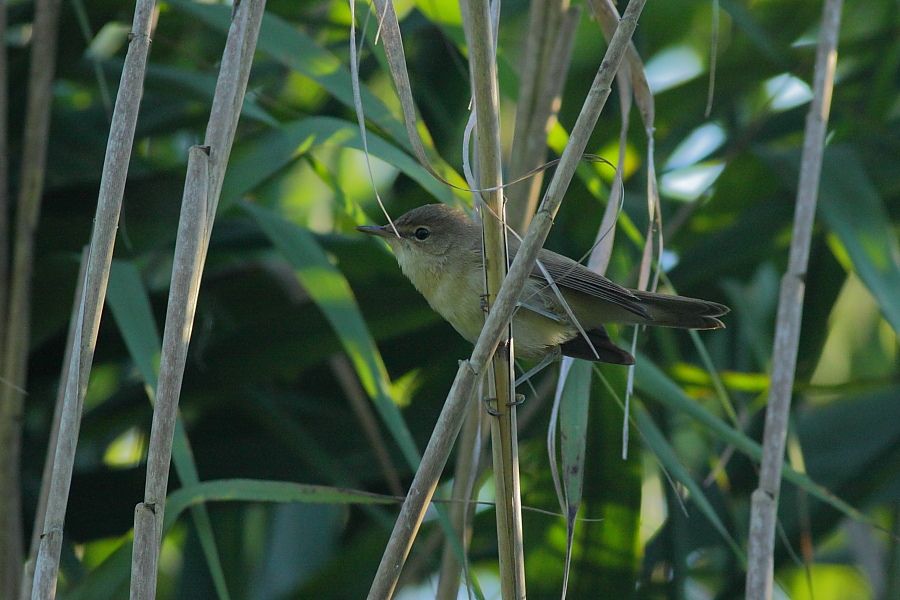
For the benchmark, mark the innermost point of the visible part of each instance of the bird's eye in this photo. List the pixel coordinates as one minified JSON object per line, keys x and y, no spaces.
{"x":422,"y":233}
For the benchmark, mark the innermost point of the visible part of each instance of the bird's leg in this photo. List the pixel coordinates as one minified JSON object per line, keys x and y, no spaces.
{"x":485,"y":305}
{"x":548,"y":358}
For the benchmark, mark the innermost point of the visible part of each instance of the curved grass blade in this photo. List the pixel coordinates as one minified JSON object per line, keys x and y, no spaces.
{"x":573,"y":421}
{"x":131,"y":310}
{"x":854,"y":211}
{"x":296,"y":50}
{"x":108,"y":579}
{"x":258,"y":160}
{"x":329,"y":289}
{"x":654,"y":383}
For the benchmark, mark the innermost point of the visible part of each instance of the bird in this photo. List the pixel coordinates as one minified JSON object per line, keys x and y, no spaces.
{"x":439,"y":249}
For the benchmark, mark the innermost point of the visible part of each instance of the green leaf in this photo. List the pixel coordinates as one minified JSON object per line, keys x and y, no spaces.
{"x":258,"y":160}
{"x":666,"y":455}
{"x":853,"y":209}
{"x":328,"y":288}
{"x":573,"y":421}
{"x":131,"y":309}
{"x":202,"y":86}
{"x":293,"y":48}
{"x":107,"y":580}
{"x":258,"y":490}
{"x":650,"y":380}
{"x":130,"y":306}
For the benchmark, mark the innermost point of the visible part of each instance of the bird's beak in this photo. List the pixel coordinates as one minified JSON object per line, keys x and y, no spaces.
{"x":380,"y":230}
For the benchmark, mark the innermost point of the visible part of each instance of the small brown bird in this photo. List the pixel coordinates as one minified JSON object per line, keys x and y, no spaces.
{"x":439,"y":250}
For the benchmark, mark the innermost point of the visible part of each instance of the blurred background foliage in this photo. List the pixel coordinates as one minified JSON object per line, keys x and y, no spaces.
{"x":292,"y":296}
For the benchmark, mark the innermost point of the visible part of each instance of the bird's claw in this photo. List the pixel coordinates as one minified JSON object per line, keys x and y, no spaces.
{"x":491,"y":403}
{"x":489,"y":406}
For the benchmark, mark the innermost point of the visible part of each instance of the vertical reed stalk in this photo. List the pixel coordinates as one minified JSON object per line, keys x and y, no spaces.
{"x":206,"y":171}
{"x":764,"y":509}
{"x":483,"y":74}
{"x":468,"y":451}
{"x":14,"y":353}
{"x":4,"y":177}
{"x":186,"y":269}
{"x":41,"y":510}
{"x":548,"y":48}
{"x":109,"y":204}
{"x":471,"y":371}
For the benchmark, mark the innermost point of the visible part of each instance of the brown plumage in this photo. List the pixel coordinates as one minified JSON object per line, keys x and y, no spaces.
{"x":439,"y":250}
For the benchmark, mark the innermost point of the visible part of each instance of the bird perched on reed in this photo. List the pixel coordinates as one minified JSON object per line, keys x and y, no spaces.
{"x":439,"y":250}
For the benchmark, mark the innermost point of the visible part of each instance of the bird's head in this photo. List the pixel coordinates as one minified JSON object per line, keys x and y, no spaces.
{"x":426,"y":233}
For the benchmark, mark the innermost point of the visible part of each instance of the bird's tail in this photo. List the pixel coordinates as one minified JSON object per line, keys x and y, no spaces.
{"x":679,"y":311}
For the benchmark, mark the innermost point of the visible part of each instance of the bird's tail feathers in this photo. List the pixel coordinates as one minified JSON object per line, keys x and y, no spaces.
{"x":682,"y":312}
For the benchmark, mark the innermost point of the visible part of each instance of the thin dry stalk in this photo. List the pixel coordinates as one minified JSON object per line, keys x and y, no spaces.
{"x":109,"y":203}
{"x":362,"y":408}
{"x":186,"y":269}
{"x":548,"y":49}
{"x":483,"y":70}
{"x":471,"y":371}
{"x":41,"y":510}
{"x":468,"y":452}
{"x":4,"y":176}
{"x":206,"y":171}
{"x":14,"y":355}
{"x":764,"y":509}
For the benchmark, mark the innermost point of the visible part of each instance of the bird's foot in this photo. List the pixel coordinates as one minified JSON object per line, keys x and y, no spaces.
{"x":490,"y":406}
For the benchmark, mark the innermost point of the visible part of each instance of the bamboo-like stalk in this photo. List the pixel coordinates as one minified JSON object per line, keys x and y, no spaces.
{"x":464,"y":475}
{"x":764,"y":508}
{"x":362,"y":408}
{"x":548,"y":47}
{"x":504,"y":439}
{"x":186,"y":269}
{"x":109,"y":204}
{"x":41,"y":510}
{"x":14,"y":354}
{"x":4,"y":177}
{"x":206,"y":171}
{"x":470,"y":371}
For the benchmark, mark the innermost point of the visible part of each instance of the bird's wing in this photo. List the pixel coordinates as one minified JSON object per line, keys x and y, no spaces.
{"x":568,"y":274}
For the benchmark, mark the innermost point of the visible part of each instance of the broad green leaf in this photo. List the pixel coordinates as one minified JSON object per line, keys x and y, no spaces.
{"x":573,"y":422}
{"x":258,"y":490}
{"x":107,"y":580}
{"x":293,"y":48}
{"x":655,"y":384}
{"x":202,"y":86}
{"x":853,"y":209}
{"x":666,"y":455}
{"x":329,"y":289}
{"x":130,"y":306}
{"x":131,"y":309}
{"x":258,"y":160}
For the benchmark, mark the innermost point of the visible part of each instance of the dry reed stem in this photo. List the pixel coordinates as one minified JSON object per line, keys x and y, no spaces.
{"x":4,"y":178}
{"x":192,"y":229}
{"x":764,"y":509}
{"x":41,"y":510}
{"x":14,"y":355}
{"x":362,"y":408}
{"x":206,"y":172}
{"x":470,"y":371}
{"x":483,"y":75}
{"x":539,"y":94}
{"x":465,"y":473}
{"x":109,"y":203}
